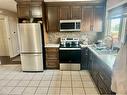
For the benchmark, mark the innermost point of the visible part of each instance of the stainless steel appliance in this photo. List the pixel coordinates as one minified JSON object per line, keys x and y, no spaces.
{"x":70,"y":25}
{"x":30,"y":39}
{"x":70,"y":54}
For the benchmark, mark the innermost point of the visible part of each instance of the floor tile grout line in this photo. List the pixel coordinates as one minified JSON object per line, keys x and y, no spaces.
{"x":11,"y":86}
{"x":39,"y":84}
{"x":82,"y":84}
{"x":61,"y":83}
{"x":71,"y":83}
{"x":49,"y":84}
{"x":27,"y":84}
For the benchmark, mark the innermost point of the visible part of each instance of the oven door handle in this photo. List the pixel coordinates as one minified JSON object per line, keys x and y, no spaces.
{"x":69,"y":48}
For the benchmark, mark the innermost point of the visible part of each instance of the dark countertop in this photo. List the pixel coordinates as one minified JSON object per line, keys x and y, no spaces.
{"x":108,"y":59}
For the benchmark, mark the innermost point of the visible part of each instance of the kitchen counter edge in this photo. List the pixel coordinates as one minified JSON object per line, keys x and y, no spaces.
{"x":52,"y":46}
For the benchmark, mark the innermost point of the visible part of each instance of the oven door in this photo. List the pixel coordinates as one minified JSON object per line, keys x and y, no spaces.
{"x":69,"y":56}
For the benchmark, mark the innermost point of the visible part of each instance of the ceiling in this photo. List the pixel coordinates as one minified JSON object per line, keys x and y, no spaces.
{"x":11,"y":4}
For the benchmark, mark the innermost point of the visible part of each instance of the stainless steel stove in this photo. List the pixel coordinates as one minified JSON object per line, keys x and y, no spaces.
{"x":70,"y":54}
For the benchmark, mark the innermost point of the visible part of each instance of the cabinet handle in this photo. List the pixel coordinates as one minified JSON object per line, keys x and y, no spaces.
{"x":101,"y":77}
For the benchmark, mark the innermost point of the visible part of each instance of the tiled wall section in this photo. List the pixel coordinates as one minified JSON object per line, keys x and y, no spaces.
{"x":54,"y":37}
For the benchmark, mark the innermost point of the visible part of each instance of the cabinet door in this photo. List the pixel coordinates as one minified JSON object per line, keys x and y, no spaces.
{"x":87,"y":19}
{"x":36,"y":11}
{"x":52,"y":58}
{"x":52,"y":19}
{"x":76,"y":12}
{"x":23,"y":10}
{"x":98,"y":18}
{"x":65,"y":13}
{"x":52,"y":64}
{"x":84,"y":59}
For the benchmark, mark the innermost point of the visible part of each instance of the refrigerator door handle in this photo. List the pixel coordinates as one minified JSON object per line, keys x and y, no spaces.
{"x":31,"y":52}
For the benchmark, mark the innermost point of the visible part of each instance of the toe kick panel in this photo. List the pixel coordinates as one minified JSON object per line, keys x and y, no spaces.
{"x":69,"y":67}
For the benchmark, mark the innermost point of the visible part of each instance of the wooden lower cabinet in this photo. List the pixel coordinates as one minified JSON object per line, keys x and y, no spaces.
{"x":52,"y":58}
{"x":52,"y":64}
{"x":101,"y":74}
{"x":84,"y":59}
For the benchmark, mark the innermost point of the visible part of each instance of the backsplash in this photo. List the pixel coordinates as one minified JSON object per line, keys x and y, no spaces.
{"x":54,"y":37}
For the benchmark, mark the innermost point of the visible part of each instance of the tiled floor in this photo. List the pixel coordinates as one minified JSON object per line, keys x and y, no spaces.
{"x":50,"y":82}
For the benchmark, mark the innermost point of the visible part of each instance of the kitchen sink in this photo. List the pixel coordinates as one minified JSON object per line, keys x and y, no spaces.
{"x":104,"y":50}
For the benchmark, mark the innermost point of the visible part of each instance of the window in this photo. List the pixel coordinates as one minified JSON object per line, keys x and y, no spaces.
{"x":115,"y":27}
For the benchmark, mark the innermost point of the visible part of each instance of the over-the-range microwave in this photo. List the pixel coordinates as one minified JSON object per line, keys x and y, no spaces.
{"x":70,"y":25}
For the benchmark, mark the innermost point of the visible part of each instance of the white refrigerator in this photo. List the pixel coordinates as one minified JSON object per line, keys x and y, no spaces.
{"x":30,"y":41}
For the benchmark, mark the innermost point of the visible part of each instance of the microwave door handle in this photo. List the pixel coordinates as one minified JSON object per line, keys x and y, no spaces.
{"x":75,"y":25}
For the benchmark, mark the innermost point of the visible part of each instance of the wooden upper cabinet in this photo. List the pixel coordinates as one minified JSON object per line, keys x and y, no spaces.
{"x":36,"y":10}
{"x":70,"y":12}
{"x":23,"y":10}
{"x":98,"y":18}
{"x":65,"y":13}
{"x":76,"y":12}
{"x":87,"y":19}
{"x":92,"y":18}
{"x":52,"y":19}
{"x":29,"y":9}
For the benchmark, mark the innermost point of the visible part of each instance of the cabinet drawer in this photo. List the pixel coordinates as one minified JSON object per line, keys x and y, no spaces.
{"x":52,"y":49}
{"x":53,"y":64}
{"x":106,"y":79}
{"x":102,"y":85}
{"x":52,"y":55}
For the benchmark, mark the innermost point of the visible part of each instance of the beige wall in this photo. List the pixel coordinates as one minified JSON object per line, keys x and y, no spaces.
{"x":6,"y":18}
{"x":3,"y":38}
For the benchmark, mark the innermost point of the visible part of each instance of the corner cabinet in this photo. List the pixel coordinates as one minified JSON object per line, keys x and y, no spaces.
{"x":99,"y":19}
{"x":92,"y":18}
{"x":52,"y":21}
{"x":52,"y":58}
{"x":87,"y":19}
